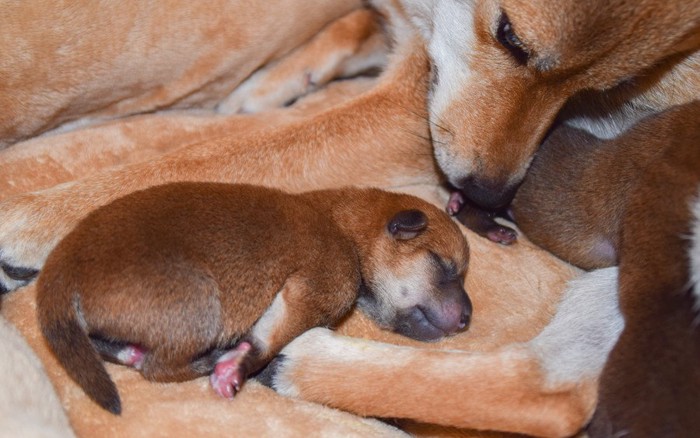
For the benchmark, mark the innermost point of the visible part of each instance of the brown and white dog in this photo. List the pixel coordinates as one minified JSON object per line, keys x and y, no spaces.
{"x":503,"y":70}
{"x":188,"y":279}
{"x":483,"y":96}
{"x":501,"y":73}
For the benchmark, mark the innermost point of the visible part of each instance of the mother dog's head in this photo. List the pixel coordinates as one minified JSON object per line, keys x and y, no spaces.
{"x":502,"y":70}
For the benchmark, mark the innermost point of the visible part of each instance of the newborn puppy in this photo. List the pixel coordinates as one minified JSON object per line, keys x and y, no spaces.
{"x":188,"y":279}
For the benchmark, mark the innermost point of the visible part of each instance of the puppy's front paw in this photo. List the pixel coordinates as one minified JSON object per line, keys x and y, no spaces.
{"x":481,"y":221}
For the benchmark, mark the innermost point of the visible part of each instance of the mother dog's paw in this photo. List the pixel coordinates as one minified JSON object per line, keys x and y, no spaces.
{"x":14,"y":277}
{"x":297,"y":359}
{"x":347,"y":47}
{"x":28,"y":233}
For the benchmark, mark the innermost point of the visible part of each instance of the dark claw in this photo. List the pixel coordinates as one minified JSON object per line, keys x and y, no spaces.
{"x":18,"y":273}
{"x":267,"y":375}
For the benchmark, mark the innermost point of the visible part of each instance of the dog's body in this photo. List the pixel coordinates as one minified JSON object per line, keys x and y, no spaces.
{"x":188,"y":279}
{"x":154,"y":55}
{"x":482,"y":101}
{"x":575,"y":199}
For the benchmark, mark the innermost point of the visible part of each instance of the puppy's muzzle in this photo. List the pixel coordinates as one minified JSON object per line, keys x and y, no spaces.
{"x":435,"y":319}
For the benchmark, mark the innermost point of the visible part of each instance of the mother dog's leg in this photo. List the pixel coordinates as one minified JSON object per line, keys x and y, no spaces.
{"x":380,"y":136}
{"x":105,"y":59}
{"x":346,"y":47}
{"x":545,"y":387}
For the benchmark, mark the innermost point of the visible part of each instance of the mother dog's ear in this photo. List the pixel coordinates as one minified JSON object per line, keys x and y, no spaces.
{"x":407,"y":224}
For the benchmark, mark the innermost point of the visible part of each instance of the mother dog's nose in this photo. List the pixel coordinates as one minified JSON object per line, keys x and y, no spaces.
{"x":486,"y":193}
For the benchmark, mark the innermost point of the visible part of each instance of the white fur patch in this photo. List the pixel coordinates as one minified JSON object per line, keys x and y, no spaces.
{"x":320,"y":348}
{"x":447,"y":26}
{"x":450,"y":46}
{"x":588,"y":322}
{"x":403,"y":288}
{"x":269,"y":322}
{"x":400,"y":29}
{"x":28,"y":402}
{"x":607,"y":125}
{"x":694,"y":255}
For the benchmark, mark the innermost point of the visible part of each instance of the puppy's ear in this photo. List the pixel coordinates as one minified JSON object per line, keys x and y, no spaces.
{"x":407,"y":224}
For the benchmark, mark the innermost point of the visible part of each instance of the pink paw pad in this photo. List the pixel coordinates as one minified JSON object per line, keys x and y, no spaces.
{"x":132,"y":356}
{"x":228,"y":376}
{"x":502,"y":235}
{"x":455,"y":203}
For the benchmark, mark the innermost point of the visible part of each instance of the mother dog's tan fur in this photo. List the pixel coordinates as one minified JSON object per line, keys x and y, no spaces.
{"x":492,"y":101}
{"x":101,"y":59}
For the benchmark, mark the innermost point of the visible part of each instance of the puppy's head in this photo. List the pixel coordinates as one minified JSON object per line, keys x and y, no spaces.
{"x":502,"y":70}
{"x":413,"y":271}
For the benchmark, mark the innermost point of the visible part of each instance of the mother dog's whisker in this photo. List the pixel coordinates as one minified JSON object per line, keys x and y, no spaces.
{"x":427,"y":119}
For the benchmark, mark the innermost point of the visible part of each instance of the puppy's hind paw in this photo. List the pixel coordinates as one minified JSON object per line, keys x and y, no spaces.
{"x":230,"y":371}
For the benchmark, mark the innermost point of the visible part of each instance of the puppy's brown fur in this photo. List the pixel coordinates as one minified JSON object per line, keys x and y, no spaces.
{"x":627,"y":201}
{"x":186,"y":271}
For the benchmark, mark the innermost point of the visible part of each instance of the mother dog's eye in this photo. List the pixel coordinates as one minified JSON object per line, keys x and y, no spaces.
{"x":510,"y":41}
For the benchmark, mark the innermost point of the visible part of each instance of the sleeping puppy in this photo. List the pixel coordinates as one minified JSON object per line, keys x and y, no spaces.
{"x":188,"y":279}
{"x":629,"y":202}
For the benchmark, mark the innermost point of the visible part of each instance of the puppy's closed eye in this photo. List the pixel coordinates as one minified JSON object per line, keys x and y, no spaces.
{"x":505,"y":34}
{"x":448,"y":268}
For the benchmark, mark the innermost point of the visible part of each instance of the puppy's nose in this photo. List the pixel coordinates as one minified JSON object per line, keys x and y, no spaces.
{"x":451,"y":315}
{"x":486,"y":193}
{"x":457,"y":315}
{"x":432,"y":321}
{"x":465,"y":319}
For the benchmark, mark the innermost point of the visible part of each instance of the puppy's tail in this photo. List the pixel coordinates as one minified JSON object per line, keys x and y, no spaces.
{"x":58,"y":306}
